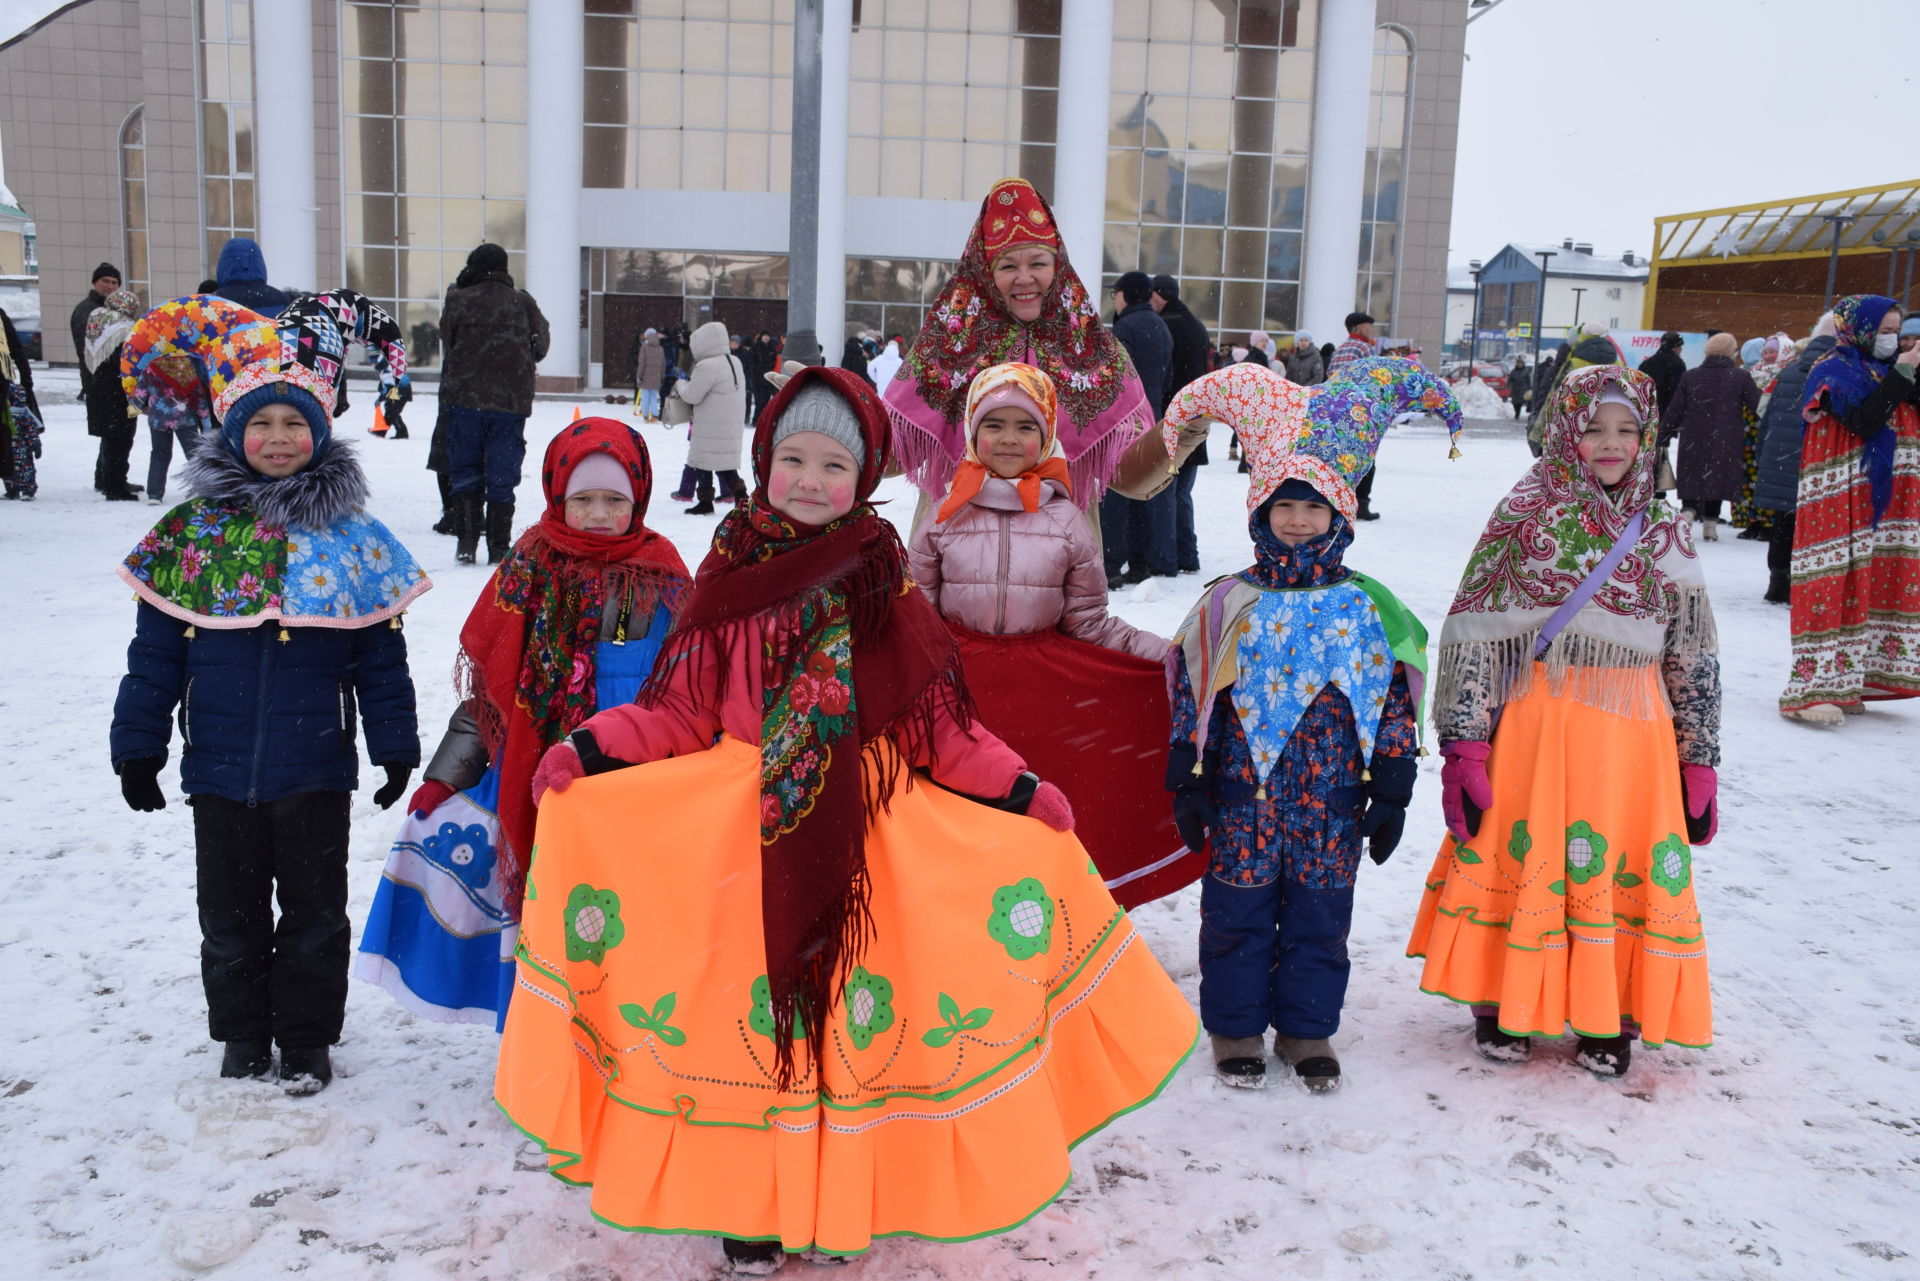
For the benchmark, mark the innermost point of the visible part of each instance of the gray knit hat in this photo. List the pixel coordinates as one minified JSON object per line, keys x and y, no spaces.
{"x":818,"y":407}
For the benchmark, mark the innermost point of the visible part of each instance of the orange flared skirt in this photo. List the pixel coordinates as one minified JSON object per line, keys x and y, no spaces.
{"x":1004,"y":1010}
{"x":1574,"y":905}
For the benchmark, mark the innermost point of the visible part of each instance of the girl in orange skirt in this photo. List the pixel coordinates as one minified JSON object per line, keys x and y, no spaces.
{"x":1578,"y":706}
{"x":775,"y":986}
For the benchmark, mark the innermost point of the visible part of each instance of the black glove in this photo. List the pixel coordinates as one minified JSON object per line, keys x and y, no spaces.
{"x":140,"y":783}
{"x":1388,"y":793}
{"x":394,"y":787}
{"x":1194,"y":816}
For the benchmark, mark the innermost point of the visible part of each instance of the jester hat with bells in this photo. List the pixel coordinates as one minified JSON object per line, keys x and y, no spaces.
{"x":1324,"y":435}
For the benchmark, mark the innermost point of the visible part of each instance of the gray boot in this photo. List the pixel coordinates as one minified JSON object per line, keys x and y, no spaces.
{"x":1241,"y":1061}
{"x":1312,"y":1059}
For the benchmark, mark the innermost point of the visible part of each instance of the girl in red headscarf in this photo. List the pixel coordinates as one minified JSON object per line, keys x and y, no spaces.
{"x":571,"y":622}
{"x":812,"y":974}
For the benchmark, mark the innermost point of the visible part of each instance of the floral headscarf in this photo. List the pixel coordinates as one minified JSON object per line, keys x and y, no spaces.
{"x":1543,"y":539}
{"x":110,"y":324}
{"x":1843,"y":378}
{"x":1103,"y":407}
{"x":1025,"y":387}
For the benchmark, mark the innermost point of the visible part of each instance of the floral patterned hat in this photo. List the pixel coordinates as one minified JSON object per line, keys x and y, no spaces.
{"x":217,"y":338}
{"x":1015,"y":217}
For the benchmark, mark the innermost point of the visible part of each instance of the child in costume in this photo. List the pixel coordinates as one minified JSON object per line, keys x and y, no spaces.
{"x":1578,"y":704}
{"x":1012,"y":566}
{"x":570,"y":623}
{"x":269,"y":610}
{"x":775,"y":986}
{"x":1295,"y":690}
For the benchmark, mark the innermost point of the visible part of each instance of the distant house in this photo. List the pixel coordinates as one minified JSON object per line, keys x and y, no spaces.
{"x":16,"y":242}
{"x":1579,"y":283}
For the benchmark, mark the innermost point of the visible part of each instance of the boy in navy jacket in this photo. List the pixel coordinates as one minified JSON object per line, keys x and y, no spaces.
{"x":268,"y":622}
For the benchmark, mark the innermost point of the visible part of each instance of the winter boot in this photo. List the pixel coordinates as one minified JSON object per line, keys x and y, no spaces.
{"x":1779,"y":588}
{"x":466,"y":526}
{"x":1241,"y":1061}
{"x":446,"y":524}
{"x":499,"y":531}
{"x":305,"y":1069}
{"x":734,"y":488}
{"x":1604,"y":1055}
{"x":1312,"y":1060}
{"x":249,"y":1058}
{"x":705,"y":506}
{"x":1489,"y":1042}
{"x":1710,"y":529}
{"x":684,"y":494}
{"x":752,"y":1258}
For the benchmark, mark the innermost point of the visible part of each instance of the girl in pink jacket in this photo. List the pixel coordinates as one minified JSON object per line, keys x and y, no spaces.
{"x":1010,"y":563}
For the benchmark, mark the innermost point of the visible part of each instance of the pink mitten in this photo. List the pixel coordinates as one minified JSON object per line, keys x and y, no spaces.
{"x":557,"y":770}
{"x":1462,"y":779}
{"x":1049,"y":805}
{"x":429,"y":797}
{"x":1701,"y":785}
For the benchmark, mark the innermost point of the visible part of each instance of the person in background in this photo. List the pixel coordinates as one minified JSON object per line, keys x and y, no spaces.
{"x":495,"y":336}
{"x":882,"y":368}
{"x":1260,"y":349}
{"x":763,"y":357}
{"x":1709,"y":417}
{"x":854,"y":358}
{"x":1305,"y":365}
{"x":1358,"y":344}
{"x":1776,"y":483}
{"x":20,"y":427}
{"x":649,"y":367}
{"x":1519,"y":379}
{"x":241,"y":276}
{"x":109,"y":418}
{"x":106,"y":279}
{"x":1666,"y":367}
{"x":1137,"y":537}
{"x":717,"y":392}
{"x":1909,"y":333}
{"x":1190,"y":354}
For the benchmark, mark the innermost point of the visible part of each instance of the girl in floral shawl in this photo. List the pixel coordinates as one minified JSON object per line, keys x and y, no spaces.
{"x":570,"y":622}
{"x":1579,"y":714}
{"x":776,"y":986}
{"x":1015,"y":297}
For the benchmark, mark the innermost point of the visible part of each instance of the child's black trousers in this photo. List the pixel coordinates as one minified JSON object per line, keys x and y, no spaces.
{"x":284,"y":979}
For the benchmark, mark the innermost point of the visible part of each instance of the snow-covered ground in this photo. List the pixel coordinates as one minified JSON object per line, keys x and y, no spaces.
{"x":1787,"y":1150}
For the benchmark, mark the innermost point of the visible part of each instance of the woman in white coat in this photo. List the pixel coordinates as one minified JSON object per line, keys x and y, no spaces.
{"x":717,"y":391}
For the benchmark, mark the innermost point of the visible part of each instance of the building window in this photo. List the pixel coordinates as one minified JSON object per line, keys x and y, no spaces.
{"x":688,"y":96}
{"x":433,"y":100}
{"x":1382,"y":202}
{"x":226,"y":122}
{"x":1207,"y":154}
{"x":1613,"y":292}
{"x":133,"y":199}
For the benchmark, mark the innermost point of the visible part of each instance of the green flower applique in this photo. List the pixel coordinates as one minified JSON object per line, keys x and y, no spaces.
{"x":955,"y":1022}
{"x":869,"y":1000}
{"x":593,"y":923}
{"x":1520,"y":843}
{"x":760,"y":1018}
{"x":1586,"y":853}
{"x":655,"y":1020}
{"x":1672,"y":865}
{"x":1022,"y":920}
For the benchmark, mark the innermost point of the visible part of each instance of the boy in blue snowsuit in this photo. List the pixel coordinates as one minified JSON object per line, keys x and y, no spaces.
{"x":1301,"y":744}
{"x":268,"y":615}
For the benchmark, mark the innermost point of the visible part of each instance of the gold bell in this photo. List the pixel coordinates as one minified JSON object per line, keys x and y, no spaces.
{"x":1453,"y":452}
{"x":1366,"y":776}
{"x":1261,"y":793}
{"x":285,"y":636}
{"x":190,"y":633}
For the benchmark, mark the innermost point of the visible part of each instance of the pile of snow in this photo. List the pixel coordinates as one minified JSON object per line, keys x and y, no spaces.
{"x":1477,"y":400}
{"x":1787,"y":1150}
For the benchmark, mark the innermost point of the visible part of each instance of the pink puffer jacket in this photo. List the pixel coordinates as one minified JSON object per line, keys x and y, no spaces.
{"x":997,"y":568}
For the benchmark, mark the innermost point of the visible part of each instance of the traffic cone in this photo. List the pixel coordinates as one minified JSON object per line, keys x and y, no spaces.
{"x":379,"y":427}
{"x":576,"y":413}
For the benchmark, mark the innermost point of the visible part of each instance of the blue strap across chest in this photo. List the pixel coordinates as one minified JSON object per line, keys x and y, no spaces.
{"x":1295,"y":644}
{"x":620,"y":669}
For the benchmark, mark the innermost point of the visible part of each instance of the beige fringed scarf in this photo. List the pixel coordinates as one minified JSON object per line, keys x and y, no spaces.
{"x":1543,"y":539}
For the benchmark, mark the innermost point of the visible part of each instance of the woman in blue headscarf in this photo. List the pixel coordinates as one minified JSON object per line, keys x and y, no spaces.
{"x":1856,"y":580}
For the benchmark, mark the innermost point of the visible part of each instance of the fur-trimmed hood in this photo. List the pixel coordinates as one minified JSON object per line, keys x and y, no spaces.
{"x":310,"y":499}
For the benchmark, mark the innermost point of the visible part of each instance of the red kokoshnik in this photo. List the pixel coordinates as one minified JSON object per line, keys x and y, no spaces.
{"x":1103,"y":407}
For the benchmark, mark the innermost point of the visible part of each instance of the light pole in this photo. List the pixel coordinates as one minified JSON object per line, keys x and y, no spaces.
{"x":1913,"y":251}
{"x":1473,"y":326}
{"x":1540,"y":310}
{"x":1578,"y":290}
{"x":803,"y":218}
{"x":1838,"y":222}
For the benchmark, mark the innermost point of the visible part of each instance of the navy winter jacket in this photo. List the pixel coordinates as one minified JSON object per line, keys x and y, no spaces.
{"x":1150,"y":345}
{"x":1776,"y":482}
{"x":261,"y":718}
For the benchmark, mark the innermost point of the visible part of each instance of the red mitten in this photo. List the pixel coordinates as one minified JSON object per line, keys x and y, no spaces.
{"x":557,"y":770}
{"x":1049,"y":805}
{"x":429,"y":797}
{"x":1464,"y":783}
{"x":1700,"y":787}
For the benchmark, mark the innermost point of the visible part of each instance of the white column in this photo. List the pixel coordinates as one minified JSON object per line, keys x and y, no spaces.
{"x":556,"y":52}
{"x":1079,"y":195}
{"x":1337,"y":165}
{"x":286,"y":206}
{"x":830,"y":286}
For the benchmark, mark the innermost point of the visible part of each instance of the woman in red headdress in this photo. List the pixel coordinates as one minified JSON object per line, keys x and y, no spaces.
{"x":811,"y":974}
